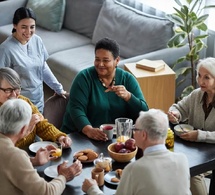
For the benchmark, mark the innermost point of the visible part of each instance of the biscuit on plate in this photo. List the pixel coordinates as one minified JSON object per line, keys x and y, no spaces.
{"x":118,"y":173}
{"x":92,"y":155}
{"x":79,"y":154}
{"x":83,"y":158}
{"x":114,"y":179}
{"x":86,"y":151}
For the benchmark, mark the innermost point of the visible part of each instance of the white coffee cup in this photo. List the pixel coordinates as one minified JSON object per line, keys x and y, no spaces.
{"x":108,"y":130}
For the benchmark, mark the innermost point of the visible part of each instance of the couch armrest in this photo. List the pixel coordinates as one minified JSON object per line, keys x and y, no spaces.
{"x":7,"y":9}
{"x":168,"y":55}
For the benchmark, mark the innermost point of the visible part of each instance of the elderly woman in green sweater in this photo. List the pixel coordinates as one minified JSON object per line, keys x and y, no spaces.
{"x":10,"y":87}
{"x":102,"y":93}
{"x":199,"y":109}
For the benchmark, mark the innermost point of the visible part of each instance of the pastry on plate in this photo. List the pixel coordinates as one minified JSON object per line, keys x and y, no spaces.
{"x":114,"y":180}
{"x":118,"y":173}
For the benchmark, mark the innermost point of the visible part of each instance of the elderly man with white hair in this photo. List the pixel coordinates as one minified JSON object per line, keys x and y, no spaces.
{"x":159,"y":171}
{"x":17,"y":174}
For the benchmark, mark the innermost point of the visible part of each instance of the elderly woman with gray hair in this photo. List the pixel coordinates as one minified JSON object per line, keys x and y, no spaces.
{"x":198,"y":108}
{"x":10,"y":87}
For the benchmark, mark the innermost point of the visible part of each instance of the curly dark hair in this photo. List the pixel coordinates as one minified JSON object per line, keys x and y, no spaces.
{"x":110,"y":45}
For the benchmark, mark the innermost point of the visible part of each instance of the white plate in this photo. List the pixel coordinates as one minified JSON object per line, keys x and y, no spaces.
{"x":113,"y":125}
{"x":51,"y":171}
{"x":109,"y":176}
{"x":37,"y":145}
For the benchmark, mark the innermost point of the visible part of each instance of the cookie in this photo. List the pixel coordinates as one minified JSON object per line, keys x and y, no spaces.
{"x":78,"y":154}
{"x":86,"y":151}
{"x":114,"y":179}
{"x":118,"y":173}
{"x":86,"y":155}
{"x":92,"y":155}
{"x":83,"y":158}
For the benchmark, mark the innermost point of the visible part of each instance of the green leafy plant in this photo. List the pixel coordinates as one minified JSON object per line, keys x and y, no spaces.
{"x":188,"y":20}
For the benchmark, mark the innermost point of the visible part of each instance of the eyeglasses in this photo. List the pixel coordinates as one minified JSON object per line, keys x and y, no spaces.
{"x":136,"y":129}
{"x":11,"y":90}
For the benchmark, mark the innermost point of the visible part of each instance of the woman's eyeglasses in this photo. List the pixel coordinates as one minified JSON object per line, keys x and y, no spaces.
{"x":11,"y":90}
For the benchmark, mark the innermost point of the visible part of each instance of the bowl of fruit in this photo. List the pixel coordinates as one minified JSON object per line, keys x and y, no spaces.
{"x":123,"y":152}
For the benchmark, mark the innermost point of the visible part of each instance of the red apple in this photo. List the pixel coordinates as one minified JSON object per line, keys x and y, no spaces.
{"x":123,"y":150}
{"x":130,"y":144}
{"x":128,"y":151}
{"x":118,"y":146}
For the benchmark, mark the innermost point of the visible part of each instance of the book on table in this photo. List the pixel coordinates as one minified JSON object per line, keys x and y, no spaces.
{"x":151,"y":65}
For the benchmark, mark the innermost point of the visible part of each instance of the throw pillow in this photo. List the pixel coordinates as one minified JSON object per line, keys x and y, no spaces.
{"x":81,"y":15}
{"x":49,"y":13}
{"x":136,"y":32}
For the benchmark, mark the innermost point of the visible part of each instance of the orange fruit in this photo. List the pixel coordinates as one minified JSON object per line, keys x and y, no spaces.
{"x":57,"y":153}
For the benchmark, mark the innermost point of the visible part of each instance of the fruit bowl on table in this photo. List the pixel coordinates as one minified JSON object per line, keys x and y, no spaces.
{"x":120,"y":157}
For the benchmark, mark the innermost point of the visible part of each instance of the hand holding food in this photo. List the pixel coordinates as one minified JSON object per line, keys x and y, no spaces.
{"x":58,"y":150}
{"x":43,"y":155}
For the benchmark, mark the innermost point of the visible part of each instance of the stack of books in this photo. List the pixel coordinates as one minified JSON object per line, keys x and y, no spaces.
{"x":151,"y":65}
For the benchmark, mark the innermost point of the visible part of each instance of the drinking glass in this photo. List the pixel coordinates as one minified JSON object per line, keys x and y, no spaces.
{"x":123,"y":129}
{"x":58,"y":151}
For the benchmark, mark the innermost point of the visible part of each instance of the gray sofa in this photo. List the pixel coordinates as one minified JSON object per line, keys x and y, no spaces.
{"x":141,"y":31}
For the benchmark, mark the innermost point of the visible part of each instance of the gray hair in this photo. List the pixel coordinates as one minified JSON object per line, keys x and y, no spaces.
{"x":208,"y":64}
{"x":11,"y":76}
{"x":154,"y":122}
{"x":14,"y":114}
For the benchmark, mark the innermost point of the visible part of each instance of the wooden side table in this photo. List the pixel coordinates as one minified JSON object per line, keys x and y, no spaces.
{"x":158,"y":87}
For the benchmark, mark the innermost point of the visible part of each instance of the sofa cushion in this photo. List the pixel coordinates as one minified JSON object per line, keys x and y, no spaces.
{"x":81,"y":15}
{"x":65,"y":64}
{"x":5,"y":32}
{"x":143,"y":7}
{"x":49,"y":13}
{"x":136,"y":32}
{"x":54,"y":41}
{"x":62,"y":40}
{"x":7,"y":10}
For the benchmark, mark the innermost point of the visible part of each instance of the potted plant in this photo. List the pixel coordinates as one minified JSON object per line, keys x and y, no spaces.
{"x":189,"y":25}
